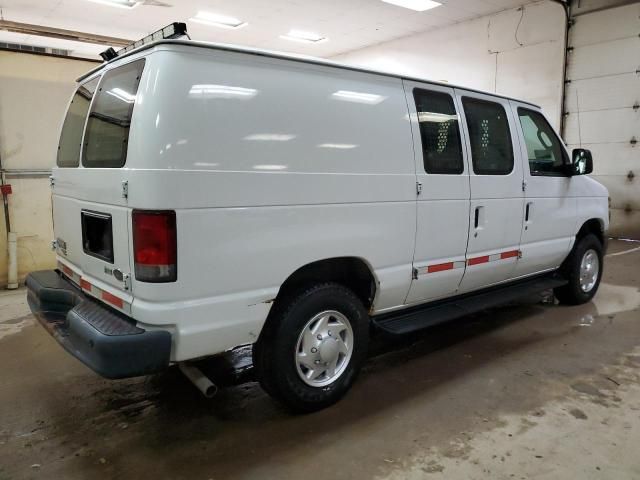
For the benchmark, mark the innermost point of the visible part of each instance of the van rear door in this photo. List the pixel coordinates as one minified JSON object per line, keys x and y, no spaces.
{"x":90,"y":213}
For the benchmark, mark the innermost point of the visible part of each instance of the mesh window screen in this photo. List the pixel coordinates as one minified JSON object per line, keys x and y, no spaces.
{"x":439,"y":132}
{"x":489,"y":136}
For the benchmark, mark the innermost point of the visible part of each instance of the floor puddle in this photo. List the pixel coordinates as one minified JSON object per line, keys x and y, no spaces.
{"x":615,"y":298}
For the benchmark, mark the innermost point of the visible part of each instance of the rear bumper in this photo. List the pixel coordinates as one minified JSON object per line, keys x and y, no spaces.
{"x":107,"y":341}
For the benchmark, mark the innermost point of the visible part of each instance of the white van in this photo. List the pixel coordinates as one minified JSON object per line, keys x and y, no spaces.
{"x":207,"y":197}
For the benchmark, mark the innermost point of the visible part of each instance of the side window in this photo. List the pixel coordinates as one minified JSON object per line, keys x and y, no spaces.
{"x":105,"y":141}
{"x":545,"y":152}
{"x":71,"y":136}
{"x":489,"y":136}
{"x":439,"y":132}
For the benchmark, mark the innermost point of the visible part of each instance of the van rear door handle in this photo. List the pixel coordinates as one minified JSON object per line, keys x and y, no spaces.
{"x":477,"y":217}
{"x":527,"y":211}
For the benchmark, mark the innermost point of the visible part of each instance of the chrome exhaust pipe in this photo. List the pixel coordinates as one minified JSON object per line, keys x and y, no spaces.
{"x":199,"y":379}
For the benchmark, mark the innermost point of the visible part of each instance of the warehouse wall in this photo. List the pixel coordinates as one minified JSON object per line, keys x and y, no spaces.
{"x":603,"y":102}
{"x":517,"y":52}
{"x":34,"y":92}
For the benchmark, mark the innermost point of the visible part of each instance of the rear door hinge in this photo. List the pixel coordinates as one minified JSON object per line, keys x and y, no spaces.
{"x":418,"y":188}
{"x":126,"y":279}
{"x":524,"y":185}
{"x":52,"y":181}
{"x":125,"y":189}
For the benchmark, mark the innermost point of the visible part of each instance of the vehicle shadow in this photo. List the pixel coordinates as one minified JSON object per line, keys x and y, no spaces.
{"x":170,"y":424}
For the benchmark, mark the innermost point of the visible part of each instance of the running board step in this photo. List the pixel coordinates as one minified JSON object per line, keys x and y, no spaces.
{"x":442,"y":311}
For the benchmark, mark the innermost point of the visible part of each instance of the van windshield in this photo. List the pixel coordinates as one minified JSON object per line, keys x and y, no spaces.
{"x":71,"y":136}
{"x":105,"y":141}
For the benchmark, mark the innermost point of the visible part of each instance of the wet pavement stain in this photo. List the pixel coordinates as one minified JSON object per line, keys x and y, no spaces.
{"x":579,"y":414}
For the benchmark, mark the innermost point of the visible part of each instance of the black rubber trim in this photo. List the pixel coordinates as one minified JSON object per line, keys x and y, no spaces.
{"x":108,"y":342}
{"x":105,"y":321}
{"x":433,"y":313}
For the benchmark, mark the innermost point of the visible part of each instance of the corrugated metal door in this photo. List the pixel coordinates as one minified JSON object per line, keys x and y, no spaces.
{"x":602,"y":106}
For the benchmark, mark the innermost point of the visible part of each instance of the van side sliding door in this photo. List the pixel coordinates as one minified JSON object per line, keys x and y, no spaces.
{"x":496,"y":213}
{"x":550,"y":208}
{"x":442,"y":177}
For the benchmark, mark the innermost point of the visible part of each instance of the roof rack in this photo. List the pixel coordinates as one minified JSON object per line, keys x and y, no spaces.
{"x":171,"y":31}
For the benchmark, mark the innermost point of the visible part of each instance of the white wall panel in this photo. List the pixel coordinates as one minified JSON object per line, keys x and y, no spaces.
{"x":607,"y":25}
{"x":580,"y":7}
{"x":622,"y":190}
{"x":613,"y":158}
{"x":602,"y":126}
{"x":602,"y":59}
{"x":625,"y":222}
{"x":604,"y":74}
{"x":616,"y":91}
{"x":516,"y":52}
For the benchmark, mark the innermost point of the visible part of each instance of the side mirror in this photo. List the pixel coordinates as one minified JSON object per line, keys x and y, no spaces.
{"x":581,"y":162}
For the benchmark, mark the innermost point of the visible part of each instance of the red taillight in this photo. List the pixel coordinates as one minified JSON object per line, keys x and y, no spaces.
{"x":154,"y":245}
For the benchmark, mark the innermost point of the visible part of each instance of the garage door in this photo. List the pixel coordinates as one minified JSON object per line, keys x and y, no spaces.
{"x":603,"y":105}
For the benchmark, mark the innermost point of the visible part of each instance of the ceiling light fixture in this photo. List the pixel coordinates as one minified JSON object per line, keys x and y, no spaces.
{"x":300,"y":36}
{"x":129,"y":4}
{"x":417,"y":5}
{"x":215,"y":20}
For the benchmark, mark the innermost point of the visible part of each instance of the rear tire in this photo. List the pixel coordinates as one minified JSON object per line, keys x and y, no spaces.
{"x":583,"y":269}
{"x":312,"y":347}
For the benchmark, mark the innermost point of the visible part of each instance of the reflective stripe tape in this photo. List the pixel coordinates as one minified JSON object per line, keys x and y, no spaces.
{"x":95,"y":291}
{"x":478,"y":260}
{"x":441,"y":267}
{"x":112,"y":299}
{"x":69,"y":273}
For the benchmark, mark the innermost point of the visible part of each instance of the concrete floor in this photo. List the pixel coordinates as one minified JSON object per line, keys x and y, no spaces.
{"x":532,"y":390}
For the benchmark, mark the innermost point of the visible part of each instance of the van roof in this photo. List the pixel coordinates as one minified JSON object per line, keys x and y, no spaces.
{"x":295,"y":58}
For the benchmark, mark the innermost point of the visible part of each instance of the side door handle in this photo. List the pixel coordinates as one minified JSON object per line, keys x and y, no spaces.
{"x":527,"y":212}
{"x":478,"y":219}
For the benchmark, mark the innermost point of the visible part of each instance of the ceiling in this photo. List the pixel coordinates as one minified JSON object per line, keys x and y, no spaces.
{"x":347,"y":24}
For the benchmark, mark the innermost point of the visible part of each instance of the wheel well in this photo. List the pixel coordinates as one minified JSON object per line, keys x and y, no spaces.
{"x":592,"y":226}
{"x":352,"y":272}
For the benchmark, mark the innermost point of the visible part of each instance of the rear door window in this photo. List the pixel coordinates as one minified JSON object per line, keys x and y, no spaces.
{"x":107,"y":134}
{"x":489,"y":136}
{"x":71,"y":136}
{"x":439,"y":132}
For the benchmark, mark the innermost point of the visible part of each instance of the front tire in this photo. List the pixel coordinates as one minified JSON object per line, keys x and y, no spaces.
{"x":583,"y":269}
{"x":312,"y":347}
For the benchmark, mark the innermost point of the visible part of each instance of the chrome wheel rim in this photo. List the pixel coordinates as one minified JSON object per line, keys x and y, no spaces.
{"x":324,"y":348}
{"x":589,"y":269}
